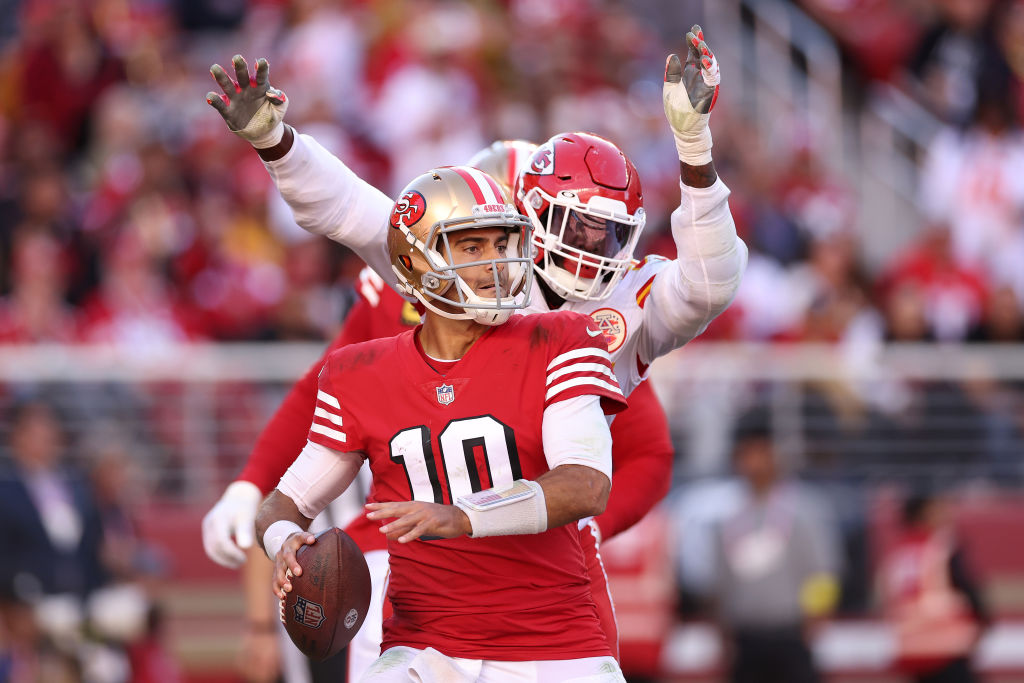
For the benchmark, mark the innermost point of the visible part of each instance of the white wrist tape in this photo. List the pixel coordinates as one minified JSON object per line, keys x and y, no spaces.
{"x":694,"y":148}
{"x":513,"y":511}
{"x":275,"y":536}
{"x":271,"y":138}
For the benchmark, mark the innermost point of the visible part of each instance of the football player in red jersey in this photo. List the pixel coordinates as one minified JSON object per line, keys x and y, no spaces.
{"x":510,"y":410}
{"x":642,"y":455}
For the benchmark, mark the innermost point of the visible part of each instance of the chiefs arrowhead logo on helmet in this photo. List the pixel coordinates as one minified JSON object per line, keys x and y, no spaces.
{"x":543,"y":160}
{"x":409,"y":208}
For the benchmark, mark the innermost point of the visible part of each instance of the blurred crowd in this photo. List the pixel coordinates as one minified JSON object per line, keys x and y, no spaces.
{"x":78,"y":581}
{"x":130,"y":214}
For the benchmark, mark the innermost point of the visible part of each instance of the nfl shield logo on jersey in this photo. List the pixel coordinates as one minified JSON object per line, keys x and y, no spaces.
{"x":308,"y":613}
{"x":445,"y":394}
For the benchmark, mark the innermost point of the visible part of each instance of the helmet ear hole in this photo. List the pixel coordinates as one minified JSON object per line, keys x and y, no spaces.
{"x":405,"y":261}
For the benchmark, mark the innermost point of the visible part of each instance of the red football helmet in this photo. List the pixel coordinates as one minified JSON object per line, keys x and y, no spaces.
{"x":583,"y":196}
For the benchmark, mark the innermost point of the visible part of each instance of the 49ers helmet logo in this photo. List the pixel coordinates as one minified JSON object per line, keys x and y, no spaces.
{"x":409,"y":208}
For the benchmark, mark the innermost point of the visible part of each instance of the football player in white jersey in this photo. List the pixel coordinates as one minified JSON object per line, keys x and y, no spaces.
{"x":583,"y":196}
{"x":581,"y":192}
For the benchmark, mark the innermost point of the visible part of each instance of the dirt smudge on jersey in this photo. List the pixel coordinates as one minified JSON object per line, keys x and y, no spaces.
{"x":539,"y":336}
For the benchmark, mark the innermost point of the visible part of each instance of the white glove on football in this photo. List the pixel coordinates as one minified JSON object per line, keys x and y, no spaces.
{"x":689,"y":95}
{"x":229,"y":528}
{"x":253,"y":110}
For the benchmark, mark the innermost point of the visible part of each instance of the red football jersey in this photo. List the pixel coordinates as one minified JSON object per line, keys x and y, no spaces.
{"x":378,"y":312}
{"x":434,"y":437}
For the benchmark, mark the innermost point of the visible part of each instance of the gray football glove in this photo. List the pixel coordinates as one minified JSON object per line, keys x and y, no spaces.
{"x":689,"y":94}
{"x":252,"y":108}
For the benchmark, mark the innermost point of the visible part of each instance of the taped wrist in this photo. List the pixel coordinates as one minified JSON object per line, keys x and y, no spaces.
{"x":275,"y":536}
{"x":694,"y":148}
{"x":511,"y":511}
{"x":271,"y":138}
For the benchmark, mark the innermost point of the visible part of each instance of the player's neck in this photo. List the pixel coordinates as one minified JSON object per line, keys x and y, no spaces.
{"x":446,"y":339}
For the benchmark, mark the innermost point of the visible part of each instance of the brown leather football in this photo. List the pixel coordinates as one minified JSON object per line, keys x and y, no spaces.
{"x":328,"y":601}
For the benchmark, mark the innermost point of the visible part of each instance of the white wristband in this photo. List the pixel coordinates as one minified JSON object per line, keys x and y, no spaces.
{"x":516,"y":510}
{"x":272,"y":137}
{"x":695,"y":149}
{"x":275,"y":536}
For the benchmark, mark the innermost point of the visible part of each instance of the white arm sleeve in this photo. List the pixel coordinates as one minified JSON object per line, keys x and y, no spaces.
{"x":692,"y":290}
{"x":327,"y":198}
{"x":318,"y":476}
{"x":575,"y":432}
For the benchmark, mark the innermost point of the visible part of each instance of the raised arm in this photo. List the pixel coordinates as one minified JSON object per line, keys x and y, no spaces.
{"x":692,"y":290}
{"x":325,"y":196}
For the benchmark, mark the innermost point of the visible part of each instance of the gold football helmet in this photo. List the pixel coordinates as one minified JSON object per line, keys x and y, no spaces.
{"x":437,"y":204}
{"x":502,"y":161}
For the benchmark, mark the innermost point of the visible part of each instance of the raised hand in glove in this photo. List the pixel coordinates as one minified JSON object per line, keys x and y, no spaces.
{"x":253,"y":110}
{"x":689,"y":94}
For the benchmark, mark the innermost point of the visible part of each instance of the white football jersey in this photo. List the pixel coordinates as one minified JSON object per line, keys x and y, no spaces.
{"x":659,"y":305}
{"x":621,"y":318}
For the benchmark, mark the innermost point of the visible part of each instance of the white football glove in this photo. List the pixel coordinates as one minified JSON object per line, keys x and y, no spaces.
{"x":252,"y":108}
{"x":689,"y":94}
{"x":229,"y":528}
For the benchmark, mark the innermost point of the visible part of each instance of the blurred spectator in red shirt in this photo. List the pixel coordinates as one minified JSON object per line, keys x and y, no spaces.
{"x":134,"y":306}
{"x":64,"y":68}
{"x":953,"y":295}
{"x":35,"y":310}
{"x":877,"y":34}
{"x":929,"y":596}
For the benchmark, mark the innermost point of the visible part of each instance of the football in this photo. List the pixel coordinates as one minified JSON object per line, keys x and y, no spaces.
{"x":328,"y":602}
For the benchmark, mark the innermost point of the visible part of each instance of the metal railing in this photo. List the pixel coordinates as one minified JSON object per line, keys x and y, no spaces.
{"x":786,"y":71}
{"x":191,"y":414}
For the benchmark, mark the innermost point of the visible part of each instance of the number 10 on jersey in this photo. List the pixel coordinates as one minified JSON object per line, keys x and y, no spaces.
{"x":413,"y":449}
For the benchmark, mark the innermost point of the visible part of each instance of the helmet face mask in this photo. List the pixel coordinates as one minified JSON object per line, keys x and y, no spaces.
{"x":423,"y":243}
{"x":584,"y":199}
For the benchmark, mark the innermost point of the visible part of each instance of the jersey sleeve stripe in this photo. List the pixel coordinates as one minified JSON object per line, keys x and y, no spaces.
{"x":644,"y":292}
{"x":580,"y":367}
{"x":328,"y":432}
{"x":328,"y":399}
{"x":320,"y":412}
{"x":579,"y":381}
{"x":579,"y":353}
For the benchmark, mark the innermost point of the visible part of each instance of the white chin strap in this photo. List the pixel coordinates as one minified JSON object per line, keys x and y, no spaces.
{"x":485,"y":316}
{"x":490,"y":318}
